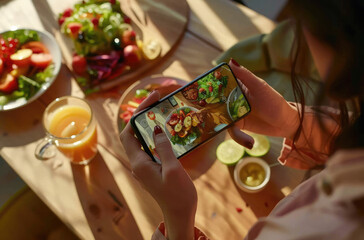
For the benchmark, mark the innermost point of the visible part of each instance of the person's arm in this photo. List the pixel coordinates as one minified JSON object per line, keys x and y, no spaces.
{"x":312,"y":147}
{"x":272,"y":115}
{"x":168,"y":182}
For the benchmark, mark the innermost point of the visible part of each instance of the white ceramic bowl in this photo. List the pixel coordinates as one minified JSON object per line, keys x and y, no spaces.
{"x":243,"y":162}
{"x":49,"y":41}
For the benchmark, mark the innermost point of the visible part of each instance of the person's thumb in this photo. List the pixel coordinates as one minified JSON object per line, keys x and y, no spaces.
{"x":241,"y":137}
{"x":164,"y":149}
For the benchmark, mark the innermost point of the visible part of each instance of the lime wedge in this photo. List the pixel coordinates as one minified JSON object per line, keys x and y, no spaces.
{"x":261,"y":145}
{"x":229,"y":152}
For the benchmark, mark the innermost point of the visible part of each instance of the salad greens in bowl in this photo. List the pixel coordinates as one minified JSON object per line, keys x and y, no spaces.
{"x":29,"y":62}
{"x":105,"y":44}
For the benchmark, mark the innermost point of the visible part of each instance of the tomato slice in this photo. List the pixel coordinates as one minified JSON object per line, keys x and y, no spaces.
{"x":36,"y":47}
{"x":183,"y":134}
{"x":151,"y":115}
{"x":1,"y":66}
{"x":126,"y":116}
{"x":41,"y":60}
{"x":8,"y":83}
{"x":173,"y":121}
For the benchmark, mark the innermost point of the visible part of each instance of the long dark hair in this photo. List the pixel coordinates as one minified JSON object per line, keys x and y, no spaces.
{"x":337,"y":23}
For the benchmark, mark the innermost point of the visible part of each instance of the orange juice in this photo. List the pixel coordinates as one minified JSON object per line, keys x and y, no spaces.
{"x":75,"y":131}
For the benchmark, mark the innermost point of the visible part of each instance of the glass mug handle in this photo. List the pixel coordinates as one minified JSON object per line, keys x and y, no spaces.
{"x":45,"y":149}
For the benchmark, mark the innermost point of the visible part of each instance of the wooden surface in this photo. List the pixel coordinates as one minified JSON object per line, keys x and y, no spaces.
{"x":103,"y":200}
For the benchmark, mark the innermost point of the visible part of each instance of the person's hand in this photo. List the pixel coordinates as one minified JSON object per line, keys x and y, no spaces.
{"x":168,"y":183}
{"x":270,"y":113}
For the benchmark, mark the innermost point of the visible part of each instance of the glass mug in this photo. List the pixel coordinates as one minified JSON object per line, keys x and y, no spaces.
{"x":71,"y":127}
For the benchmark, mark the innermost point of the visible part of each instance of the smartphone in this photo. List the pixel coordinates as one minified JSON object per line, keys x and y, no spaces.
{"x":194,"y":113}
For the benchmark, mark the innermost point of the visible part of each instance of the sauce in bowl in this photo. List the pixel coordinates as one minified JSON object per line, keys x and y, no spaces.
{"x":252,"y":174}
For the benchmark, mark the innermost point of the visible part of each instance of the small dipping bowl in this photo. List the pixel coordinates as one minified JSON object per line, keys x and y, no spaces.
{"x":251,"y":174}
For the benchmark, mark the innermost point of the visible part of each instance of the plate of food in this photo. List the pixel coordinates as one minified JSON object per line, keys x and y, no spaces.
{"x":29,"y":62}
{"x":183,"y":125}
{"x":139,"y":91}
{"x":104,"y":45}
{"x":237,"y":105}
{"x":208,"y":90}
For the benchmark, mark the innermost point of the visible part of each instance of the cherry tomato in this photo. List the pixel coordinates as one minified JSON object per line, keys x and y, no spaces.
{"x":74,"y":28}
{"x":182,"y":134}
{"x":68,"y":12}
{"x":61,"y":20}
{"x":1,"y":66}
{"x":217,"y":74}
{"x":95,"y":22}
{"x":173,"y":121}
{"x":41,"y":60}
{"x":126,"y":116}
{"x":79,"y":64}
{"x":22,"y":57}
{"x":8,"y":83}
{"x":129,"y":37}
{"x":36,"y":47}
{"x":151,"y":115}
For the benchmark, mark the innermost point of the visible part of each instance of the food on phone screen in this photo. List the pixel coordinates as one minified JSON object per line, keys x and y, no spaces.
{"x":238,"y":106}
{"x":184,"y":125}
{"x":197,"y":112}
{"x":229,"y":152}
{"x":208,"y":90}
{"x":128,"y":108}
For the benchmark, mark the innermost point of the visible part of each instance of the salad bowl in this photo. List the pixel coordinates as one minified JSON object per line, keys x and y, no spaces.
{"x":7,"y":102}
{"x":189,"y":135}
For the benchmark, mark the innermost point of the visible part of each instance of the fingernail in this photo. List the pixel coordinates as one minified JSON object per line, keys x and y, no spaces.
{"x":249,"y":145}
{"x":234,"y":62}
{"x":155,"y":90}
{"x":157,"y":130}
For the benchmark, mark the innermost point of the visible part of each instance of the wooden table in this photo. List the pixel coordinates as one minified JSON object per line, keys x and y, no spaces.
{"x":103,"y":200}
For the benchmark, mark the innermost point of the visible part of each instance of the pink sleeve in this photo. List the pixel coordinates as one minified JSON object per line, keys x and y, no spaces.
{"x":161,"y":233}
{"x":312,"y":148}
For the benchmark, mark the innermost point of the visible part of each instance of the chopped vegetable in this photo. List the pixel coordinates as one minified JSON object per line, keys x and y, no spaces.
{"x":239,"y":107}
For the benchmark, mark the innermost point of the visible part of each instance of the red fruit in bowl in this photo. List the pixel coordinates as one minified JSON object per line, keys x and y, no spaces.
{"x":68,"y":12}
{"x":1,"y":66}
{"x":95,"y":22}
{"x":74,"y":28}
{"x":132,"y":55}
{"x":79,"y":64}
{"x":61,"y":20}
{"x":129,"y":37}
{"x":8,"y":83}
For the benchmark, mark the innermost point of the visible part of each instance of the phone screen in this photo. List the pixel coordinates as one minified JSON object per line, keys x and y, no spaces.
{"x":194,"y":113}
